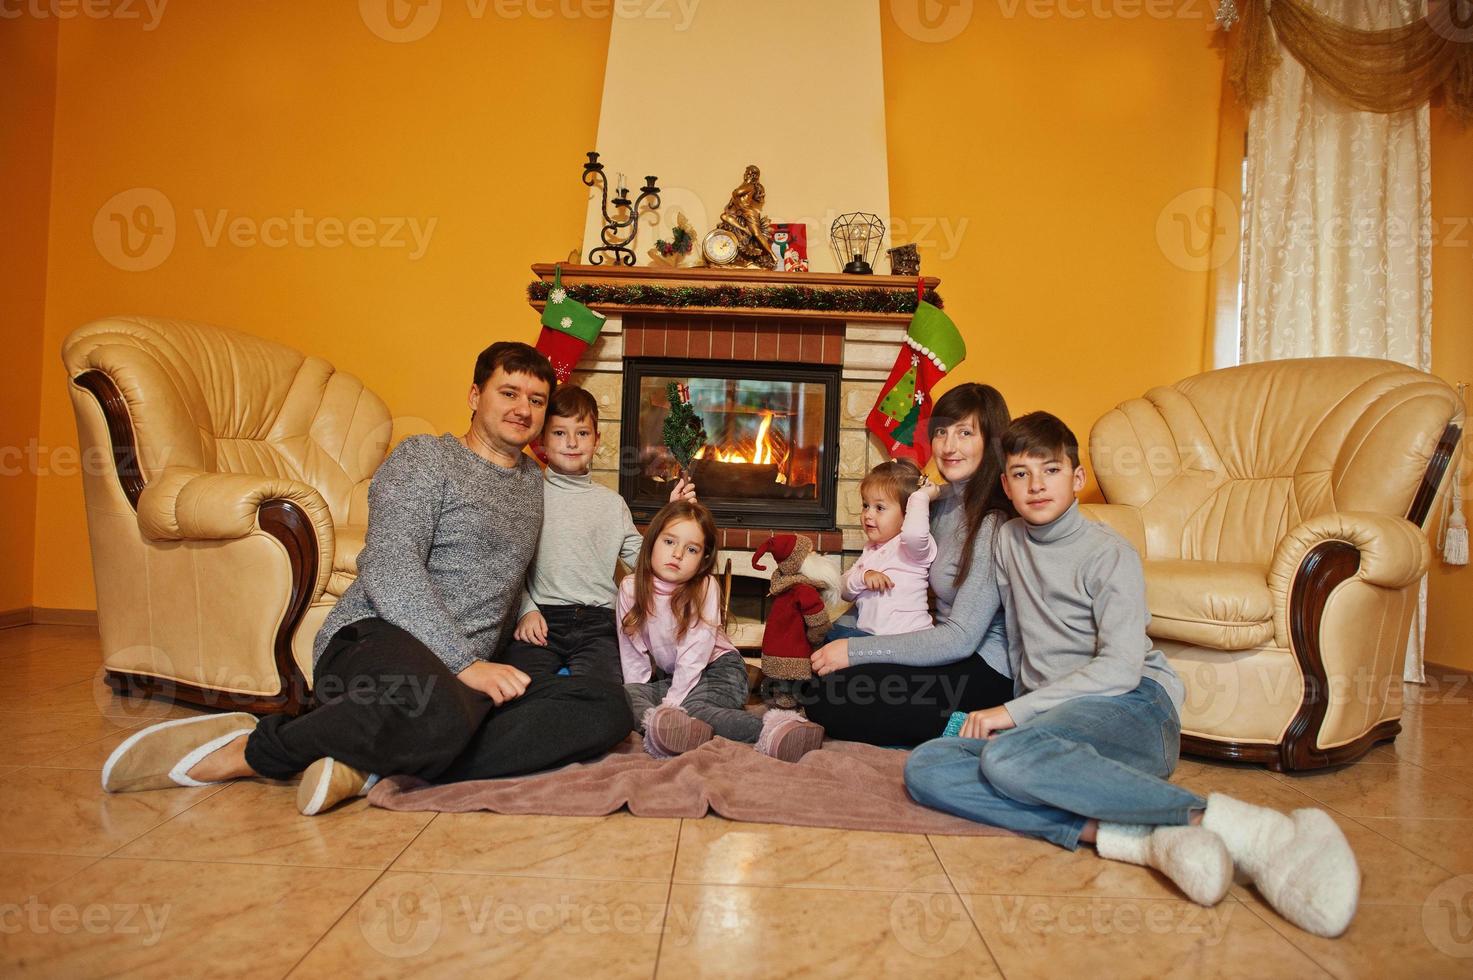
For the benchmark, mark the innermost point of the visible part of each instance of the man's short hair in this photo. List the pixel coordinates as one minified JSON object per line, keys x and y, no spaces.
{"x":514,"y":357}
{"x":1041,"y":435}
{"x":573,"y":402}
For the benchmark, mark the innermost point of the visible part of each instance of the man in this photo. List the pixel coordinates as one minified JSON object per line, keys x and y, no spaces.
{"x":402,"y":666}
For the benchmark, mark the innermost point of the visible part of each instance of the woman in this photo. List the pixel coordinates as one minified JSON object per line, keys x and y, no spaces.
{"x":900,"y":690}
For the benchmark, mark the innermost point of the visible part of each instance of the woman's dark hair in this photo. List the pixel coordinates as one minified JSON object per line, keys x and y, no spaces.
{"x":984,"y":493}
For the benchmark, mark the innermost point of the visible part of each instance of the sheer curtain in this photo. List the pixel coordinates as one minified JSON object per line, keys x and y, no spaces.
{"x":1337,"y":227}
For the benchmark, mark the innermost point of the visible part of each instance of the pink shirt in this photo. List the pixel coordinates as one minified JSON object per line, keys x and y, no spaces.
{"x":906,"y":558}
{"x":682,"y":659}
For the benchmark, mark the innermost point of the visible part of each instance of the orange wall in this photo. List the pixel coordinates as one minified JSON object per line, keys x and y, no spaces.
{"x":1049,"y":148}
{"x":28,"y":52}
{"x":264,"y":108}
{"x":1450,"y":613}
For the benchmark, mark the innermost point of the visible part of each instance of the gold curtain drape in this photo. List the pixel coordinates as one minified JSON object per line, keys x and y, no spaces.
{"x":1375,"y":71}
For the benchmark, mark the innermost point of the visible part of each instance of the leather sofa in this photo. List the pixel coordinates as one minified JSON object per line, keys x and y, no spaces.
{"x":227,"y":499}
{"x":1280,"y":510}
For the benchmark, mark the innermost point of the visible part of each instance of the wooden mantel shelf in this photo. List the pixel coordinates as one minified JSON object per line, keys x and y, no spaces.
{"x":715,"y":277}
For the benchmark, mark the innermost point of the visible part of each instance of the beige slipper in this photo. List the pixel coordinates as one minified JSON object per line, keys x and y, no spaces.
{"x":328,"y":782}
{"x":160,"y":756}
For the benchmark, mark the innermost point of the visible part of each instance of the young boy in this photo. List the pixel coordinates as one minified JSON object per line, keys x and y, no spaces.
{"x":567,"y":610}
{"x":1082,"y":752}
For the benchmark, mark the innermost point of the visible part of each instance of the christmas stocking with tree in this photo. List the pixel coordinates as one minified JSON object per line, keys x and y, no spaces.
{"x":933,"y":346}
{"x":568,"y":327}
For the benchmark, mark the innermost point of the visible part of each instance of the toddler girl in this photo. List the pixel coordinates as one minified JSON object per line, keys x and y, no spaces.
{"x":669,"y":610}
{"x":888,"y":583}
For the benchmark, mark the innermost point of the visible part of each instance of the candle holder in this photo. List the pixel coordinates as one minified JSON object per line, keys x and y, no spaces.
{"x":620,"y":227}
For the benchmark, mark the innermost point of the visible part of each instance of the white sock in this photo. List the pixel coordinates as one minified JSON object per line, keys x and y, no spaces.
{"x":1194,"y":859}
{"x":1301,"y":863}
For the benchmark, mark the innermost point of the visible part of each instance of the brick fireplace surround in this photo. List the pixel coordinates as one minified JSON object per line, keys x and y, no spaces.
{"x":864,"y":345}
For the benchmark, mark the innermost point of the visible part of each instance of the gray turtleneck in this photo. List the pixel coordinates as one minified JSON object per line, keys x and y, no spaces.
{"x":586,"y":529}
{"x":449,"y":539}
{"x":968,"y":617}
{"x":1075,"y":597}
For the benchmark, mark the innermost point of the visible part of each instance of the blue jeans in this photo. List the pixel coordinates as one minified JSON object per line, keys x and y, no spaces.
{"x":1091,"y":758}
{"x":842,"y":631}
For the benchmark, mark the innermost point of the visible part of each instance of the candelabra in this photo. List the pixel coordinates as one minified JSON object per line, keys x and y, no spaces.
{"x":619,"y":228}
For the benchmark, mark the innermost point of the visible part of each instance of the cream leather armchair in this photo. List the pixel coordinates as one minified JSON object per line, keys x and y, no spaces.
{"x":1280,"y":511}
{"x":227,"y":498}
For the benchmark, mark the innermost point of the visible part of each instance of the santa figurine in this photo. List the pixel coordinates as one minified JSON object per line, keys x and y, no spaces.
{"x":796,"y":619}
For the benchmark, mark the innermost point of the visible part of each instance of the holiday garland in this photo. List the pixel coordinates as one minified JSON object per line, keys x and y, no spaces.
{"x":835,"y":300}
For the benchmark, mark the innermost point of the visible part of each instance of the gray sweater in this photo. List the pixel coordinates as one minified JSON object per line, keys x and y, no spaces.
{"x":968,"y":619}
{"x":586,"y":529}
{"x":450,"y":537}
{"x":1075,"y":597}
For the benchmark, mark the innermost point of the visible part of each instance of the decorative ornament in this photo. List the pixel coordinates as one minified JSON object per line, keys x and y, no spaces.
{"x":742,"y":219}
{"x":568,"y":327}
{"x":905,"y":260}
{"x":683,"y":432}
{"x":1227,"y":14}
{"x":681,"y":244}
{"x":856,"y":241}
{"x":933,"y":347}
{"x":620,"y":227}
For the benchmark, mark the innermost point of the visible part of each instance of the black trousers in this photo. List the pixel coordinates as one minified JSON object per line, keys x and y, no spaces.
{"x":889,"y":704}
{"x":580,"y":638}
{"x":389,"y":706}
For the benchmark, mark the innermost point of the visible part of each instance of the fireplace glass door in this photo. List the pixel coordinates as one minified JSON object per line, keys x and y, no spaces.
{"x":769,"y":457}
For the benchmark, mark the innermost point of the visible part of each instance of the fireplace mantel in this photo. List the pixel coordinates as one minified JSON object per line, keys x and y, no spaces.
{"x":716,"y":277}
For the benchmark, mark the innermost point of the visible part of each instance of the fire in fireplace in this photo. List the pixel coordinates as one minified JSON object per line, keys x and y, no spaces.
{"x":770,"y":457}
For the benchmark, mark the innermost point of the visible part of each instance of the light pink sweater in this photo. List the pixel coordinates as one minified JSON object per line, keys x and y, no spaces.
{"x":683,"y":659}
{"x":906,"y":558}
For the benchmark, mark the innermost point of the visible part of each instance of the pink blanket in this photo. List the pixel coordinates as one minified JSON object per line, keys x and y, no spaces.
{"x":844,"y":784}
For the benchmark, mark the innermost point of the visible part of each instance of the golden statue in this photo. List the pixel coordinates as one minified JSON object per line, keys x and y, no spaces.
{"x":743,"y":217}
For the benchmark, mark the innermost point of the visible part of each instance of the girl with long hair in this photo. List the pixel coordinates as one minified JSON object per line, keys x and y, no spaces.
{"x":685,"y":680}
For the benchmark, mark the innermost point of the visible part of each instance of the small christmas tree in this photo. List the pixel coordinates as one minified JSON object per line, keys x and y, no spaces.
{"x":683,"y":432}
{"x":900,"y":401}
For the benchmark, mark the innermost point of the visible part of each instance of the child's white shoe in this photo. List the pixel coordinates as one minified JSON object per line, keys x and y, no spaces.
{"x":670,"y":731}
{"x":788,"y":736}
{"x":1301,"y":863}
{"x":1196,"y":860}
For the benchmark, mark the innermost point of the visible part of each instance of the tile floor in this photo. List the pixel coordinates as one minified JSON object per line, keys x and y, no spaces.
{"x":230,"y":880}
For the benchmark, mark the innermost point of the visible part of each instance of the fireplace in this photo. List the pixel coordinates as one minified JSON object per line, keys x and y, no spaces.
{"x":770,"y":454}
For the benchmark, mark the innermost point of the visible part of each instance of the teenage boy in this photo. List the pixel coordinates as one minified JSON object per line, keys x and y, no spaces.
{"x":567,"y":613}
{"x":402,"y":665}
{"x":1082,"y":752}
